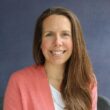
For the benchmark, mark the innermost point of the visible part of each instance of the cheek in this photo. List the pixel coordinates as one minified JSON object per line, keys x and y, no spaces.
{"x":44,"y":45}
{"x":70,"y":45}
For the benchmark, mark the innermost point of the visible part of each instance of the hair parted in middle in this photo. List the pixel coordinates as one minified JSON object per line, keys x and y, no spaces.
{"x":78,"y":75}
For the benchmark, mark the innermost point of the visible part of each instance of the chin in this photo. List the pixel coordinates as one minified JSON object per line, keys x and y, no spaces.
{"x":58,"y":63}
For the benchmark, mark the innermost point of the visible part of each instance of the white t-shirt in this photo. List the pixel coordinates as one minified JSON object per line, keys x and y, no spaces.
{"x":57,"y":99}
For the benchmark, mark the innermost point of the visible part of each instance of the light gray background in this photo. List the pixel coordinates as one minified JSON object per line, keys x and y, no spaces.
{"x":17,"y":22}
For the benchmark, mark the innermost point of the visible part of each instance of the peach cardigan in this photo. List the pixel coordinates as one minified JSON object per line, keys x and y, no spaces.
{"x":28,"y":89}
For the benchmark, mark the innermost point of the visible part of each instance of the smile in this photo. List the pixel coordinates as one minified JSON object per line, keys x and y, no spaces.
{"x":58,"y":52}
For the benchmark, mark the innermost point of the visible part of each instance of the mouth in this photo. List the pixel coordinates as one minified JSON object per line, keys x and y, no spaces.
{"x":57,"y":52}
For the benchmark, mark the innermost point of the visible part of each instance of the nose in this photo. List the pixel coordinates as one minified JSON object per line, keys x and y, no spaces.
{"x":58,"y":41}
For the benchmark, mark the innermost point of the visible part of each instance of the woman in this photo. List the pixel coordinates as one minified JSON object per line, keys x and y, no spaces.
{"x":62,"y":78}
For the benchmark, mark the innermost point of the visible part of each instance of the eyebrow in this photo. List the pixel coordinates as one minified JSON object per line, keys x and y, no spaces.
{"x":53,"y":31}
{"x":66,"y":31}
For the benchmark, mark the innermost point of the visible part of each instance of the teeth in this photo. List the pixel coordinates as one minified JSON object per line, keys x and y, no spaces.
{"x":57,"y":52}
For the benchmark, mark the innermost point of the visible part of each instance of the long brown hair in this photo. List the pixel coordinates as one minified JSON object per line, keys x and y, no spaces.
{"x":78,"y":75}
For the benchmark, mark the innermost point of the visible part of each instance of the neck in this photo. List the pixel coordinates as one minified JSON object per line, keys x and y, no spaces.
{"x":54,"y":74}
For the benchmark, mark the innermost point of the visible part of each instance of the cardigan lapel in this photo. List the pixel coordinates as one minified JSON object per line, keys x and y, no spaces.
{"x":44,"y":88}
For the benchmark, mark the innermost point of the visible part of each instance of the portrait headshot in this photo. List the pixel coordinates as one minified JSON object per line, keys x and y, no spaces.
{"x":54,"y":56}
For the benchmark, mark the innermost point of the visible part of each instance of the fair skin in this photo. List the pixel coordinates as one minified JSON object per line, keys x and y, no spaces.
{"x":56,"y":47}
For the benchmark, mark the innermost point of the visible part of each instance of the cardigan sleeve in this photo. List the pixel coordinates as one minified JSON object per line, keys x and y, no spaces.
{"x":12,"y":99}
{"x":94,"y":97}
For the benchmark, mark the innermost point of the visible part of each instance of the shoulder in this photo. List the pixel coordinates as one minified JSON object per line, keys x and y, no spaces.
{"x":93,"y":82}
{"x":29,"y":73}
{"x":94,"y":92}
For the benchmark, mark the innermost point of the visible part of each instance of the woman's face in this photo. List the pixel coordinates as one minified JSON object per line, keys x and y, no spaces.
{"x":56,"y":39}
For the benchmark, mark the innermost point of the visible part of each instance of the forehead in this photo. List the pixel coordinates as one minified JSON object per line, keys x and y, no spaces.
{"x":56,"y":21}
